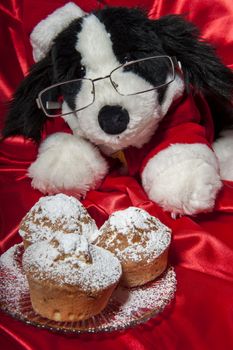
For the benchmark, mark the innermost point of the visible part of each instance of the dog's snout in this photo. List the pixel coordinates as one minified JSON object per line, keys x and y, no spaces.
{"x":113,"y":119}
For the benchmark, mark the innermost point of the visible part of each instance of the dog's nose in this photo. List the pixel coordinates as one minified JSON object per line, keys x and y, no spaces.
{"x":113,"y":119}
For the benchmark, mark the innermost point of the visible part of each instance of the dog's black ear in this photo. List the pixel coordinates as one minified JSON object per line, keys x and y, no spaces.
{"x":24,"y":117}
{"x":201,"y":66}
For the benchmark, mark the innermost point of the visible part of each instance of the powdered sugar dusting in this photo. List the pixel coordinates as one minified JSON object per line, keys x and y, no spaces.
{"x":71,"y":244}
{"x":69,"y":259}
{"x":133,"y":234}
{"x":15,"y":284}
{"x":148,"y":297}
{"x":126,"y":307}
{"x":123,"y":220}
{"x":57,"y":214}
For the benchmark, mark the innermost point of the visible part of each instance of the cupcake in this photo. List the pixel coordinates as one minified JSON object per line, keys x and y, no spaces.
{"x":56,"y":214}
{"x":69,"y":279}
{"x":140,"y":241}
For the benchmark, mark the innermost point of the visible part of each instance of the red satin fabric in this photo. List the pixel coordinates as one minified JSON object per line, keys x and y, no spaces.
{"x":201,"y":315}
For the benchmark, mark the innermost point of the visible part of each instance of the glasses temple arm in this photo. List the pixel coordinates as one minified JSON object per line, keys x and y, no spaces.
{"x":176,"y":62}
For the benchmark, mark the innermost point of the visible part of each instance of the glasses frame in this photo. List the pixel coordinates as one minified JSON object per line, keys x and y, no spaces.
{"x":172,"y":59}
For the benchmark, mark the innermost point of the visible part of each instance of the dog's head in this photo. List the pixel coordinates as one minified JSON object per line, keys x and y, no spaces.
{"x":119,"y":51}
{"x":115,"y":74}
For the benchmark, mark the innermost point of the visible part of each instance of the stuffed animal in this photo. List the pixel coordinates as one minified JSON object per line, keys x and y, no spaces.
{"x":128,"y":87}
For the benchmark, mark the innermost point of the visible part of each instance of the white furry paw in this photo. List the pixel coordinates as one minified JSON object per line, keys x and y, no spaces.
{"x":183,"y":179}
{"x":223,"y":148}
{"x":67,"y":164}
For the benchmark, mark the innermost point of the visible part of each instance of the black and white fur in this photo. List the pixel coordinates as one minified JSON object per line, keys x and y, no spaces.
{"x":69,"y":44}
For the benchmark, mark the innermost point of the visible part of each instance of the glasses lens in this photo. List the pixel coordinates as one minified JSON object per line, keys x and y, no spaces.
{"x":78,"y":94}
{"x":155,"y":72}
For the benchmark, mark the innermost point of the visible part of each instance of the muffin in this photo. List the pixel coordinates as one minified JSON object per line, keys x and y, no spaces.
{"x":69,"y":279}
{"x":56,"y":214}
{"x":139,"y":241}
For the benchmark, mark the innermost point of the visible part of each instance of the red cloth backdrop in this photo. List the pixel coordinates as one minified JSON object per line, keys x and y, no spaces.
{"x":201,"y":316}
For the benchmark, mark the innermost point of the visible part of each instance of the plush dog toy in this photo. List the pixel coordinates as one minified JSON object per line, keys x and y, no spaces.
{"x":132,"y":88}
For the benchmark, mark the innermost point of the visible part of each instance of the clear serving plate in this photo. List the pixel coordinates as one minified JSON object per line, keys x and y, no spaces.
{"x":126,"y":308}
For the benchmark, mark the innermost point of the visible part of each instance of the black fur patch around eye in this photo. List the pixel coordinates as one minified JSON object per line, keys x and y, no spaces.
{"x":161,"y":93}
{"x":67,"y":61}
{"x":154,"y":70}
{"x":70,"y":91}
{"x":134,"y":37}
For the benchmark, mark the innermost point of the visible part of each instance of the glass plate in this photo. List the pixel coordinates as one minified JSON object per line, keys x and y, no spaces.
{"x":126,"y":308}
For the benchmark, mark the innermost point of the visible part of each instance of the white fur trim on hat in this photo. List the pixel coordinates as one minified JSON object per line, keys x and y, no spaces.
{"x":46,"y":31}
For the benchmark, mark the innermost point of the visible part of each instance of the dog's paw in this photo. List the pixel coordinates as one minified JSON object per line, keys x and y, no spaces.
{"x":67,"y":164}
{"x":223,"y":148}
{"x":183,"y":179}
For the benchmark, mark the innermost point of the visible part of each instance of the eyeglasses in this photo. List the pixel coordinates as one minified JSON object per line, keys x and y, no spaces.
{"x":160,"y":71}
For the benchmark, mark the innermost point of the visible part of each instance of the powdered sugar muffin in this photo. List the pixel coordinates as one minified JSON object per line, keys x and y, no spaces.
{"x":56,"y":214}
{"x":70,"y":279}
{"x":139,"y":241}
